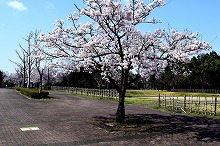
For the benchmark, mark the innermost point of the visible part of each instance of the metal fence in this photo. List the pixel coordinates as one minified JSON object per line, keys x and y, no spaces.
{"x":199,"y":105}
{"x":104,"y":93}
{"x":196,"y":90}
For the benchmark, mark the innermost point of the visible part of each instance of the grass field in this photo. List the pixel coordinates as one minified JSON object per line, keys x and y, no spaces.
{"x":150,"y":97}
{"x":152,"y":93}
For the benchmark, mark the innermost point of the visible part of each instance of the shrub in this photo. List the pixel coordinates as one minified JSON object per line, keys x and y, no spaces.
{"x":33,"y":93}
{"x":18,"y":88}
{"x":47,"y":87}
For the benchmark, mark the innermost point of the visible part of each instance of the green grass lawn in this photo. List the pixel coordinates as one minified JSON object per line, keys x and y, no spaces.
{"x":149,"y":99}
{"x":152,"y":93}
{"x":145,"y":96}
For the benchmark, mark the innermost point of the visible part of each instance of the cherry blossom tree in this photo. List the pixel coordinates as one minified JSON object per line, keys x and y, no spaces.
{"x":42,"y":64}
{"x":111,"y":42}
{"x":31,"y":39}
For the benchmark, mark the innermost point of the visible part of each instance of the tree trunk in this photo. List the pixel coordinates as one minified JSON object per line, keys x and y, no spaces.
{"x":29,"y":80}
{"x":24,"y":79}
{"x":40,"y":86}
{"x":120,"y":114}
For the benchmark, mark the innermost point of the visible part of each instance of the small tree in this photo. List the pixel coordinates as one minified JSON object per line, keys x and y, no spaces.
{"x":31,"y":40}
{"x":21,"y":66}
{"x":25,"y":67}
{"x":112,"y":43}
{"x":41,"y":64}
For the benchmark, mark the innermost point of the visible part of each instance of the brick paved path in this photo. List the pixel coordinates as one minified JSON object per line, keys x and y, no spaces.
{"x":65,"y":122}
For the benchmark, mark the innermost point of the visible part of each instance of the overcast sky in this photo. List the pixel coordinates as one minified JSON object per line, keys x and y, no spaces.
{"x":18,"y":18}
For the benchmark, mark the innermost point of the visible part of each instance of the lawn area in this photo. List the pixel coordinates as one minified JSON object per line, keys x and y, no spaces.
{"x":150,"y":97}
{"x":155,"y":93}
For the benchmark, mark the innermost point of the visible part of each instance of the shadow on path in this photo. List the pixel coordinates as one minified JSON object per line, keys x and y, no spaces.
{"x":203,"y":129}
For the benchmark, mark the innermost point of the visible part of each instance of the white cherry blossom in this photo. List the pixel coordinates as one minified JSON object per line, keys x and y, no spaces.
{"x":112,"y":42}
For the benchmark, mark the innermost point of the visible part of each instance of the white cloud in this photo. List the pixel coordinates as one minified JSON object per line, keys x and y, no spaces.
{"x":17,"y":5}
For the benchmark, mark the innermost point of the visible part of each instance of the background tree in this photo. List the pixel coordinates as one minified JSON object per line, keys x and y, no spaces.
{"x":152,"y":82}
{"x":31,"y":40}
{"x":21,"y":66}
{"x":201,"y":72}
{"x":205,"y":71}
{"x":166,"y":79}
{"x":112,"y":43}
{"x":1,"y":78}
{"x":19,"y":76}
{"x":26,"y":66}
{"x":10,"y":79}
{"x":79,"y":79}
{"x":42,"y":64}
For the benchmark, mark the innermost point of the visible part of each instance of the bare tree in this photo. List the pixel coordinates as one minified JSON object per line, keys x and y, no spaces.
{"x":31,"y":40}
{"x":22,"y":66}
{"x":26,"y":65}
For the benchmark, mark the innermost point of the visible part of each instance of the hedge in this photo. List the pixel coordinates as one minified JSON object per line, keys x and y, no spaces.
{"x":33,"y":93}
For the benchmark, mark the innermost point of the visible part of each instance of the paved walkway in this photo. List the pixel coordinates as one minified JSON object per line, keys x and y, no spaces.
{"x":65,"y":121}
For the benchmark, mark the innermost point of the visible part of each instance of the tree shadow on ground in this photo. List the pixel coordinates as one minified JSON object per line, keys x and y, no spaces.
{"x":203,"y":129}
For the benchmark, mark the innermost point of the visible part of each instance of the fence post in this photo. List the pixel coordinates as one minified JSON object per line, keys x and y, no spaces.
{"x":173,"y":106}
{"x":191,"y":104}
{"x":205,"y":105}
{"x":211,"y":106}
{"x":159,"y":100}
{"x":215,"y":106}
{"x":102,"y":93}
{"x":165,"y":100}
{"x":184,"y":103}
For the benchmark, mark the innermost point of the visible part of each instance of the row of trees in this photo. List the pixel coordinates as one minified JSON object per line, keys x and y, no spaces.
{"x":7,"y":79}
{"x":111,"y":43}
{"x":26,"y":65}
{"x":32,"y":70}
{"x":84,"y":79}
{"x":202,"y":72}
